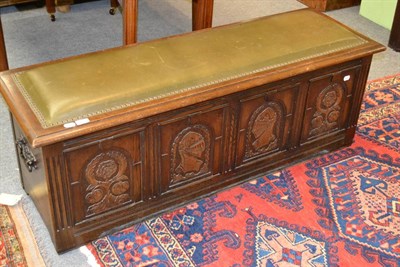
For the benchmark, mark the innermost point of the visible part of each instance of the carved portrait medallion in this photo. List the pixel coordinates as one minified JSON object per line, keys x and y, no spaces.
{"x":190,"y":153}
{"x":108,"y":185}
{"x":263,"y":130}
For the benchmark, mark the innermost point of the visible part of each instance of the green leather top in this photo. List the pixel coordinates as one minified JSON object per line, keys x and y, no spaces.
{"x":81,"y":87}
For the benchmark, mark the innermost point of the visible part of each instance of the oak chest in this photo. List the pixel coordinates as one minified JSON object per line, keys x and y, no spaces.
{"x":109,"y":138}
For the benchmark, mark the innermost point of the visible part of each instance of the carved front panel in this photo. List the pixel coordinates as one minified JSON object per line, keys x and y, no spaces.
{"x":107,"y":181}
{"x":190,"y":153}
{"x":328,"y":104}
{"x":105,"y":175}
{"x":264,"y":129}
{"x":190,"y":146}
{"x":265,"y":123}
{"x":328,"y":108}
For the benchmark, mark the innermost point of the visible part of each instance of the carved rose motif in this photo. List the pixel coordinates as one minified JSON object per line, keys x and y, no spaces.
{"x":119,"y":188}
{"x":95,"y":196}
{"x":108,"y":185}
{"x":329,"y":99}
{"x":327,"y":114}
{"x":333,"y":116}
{"x":106,"y":169}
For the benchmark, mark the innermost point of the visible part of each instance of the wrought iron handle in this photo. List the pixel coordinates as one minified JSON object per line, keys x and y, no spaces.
{"x":26,"y":154}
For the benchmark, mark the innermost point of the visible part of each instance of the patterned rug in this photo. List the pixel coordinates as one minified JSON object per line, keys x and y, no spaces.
{"x":341,"y":209}
{"x":17,"y":244}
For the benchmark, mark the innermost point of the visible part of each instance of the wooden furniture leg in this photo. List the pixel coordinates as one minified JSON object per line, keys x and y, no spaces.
{"x":129,"y":15}
{"x":202,"y":12}
{"x":114,"y":5}
{"x":3,"y":53}
{"x":394,"y":39}
{"x":51,"y":9}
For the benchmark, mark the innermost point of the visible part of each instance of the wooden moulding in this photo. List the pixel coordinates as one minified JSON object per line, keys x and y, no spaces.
{"x":326,"y":5}
{"x":131,"y":163}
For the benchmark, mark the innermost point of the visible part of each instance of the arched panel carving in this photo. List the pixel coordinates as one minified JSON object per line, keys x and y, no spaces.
{"x":190,"y":155}
{"x":108,"y":184}
{"x":264,"y":128}
{"x":328,"y":108}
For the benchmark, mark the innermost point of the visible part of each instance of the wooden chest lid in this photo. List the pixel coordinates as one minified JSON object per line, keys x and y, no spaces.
{"x":116,"y":86}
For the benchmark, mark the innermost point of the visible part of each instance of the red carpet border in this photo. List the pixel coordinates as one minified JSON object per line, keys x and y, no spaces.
{"x":341,"y":209}
{"x":11,"y":251}
{"x":18,"y":246}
